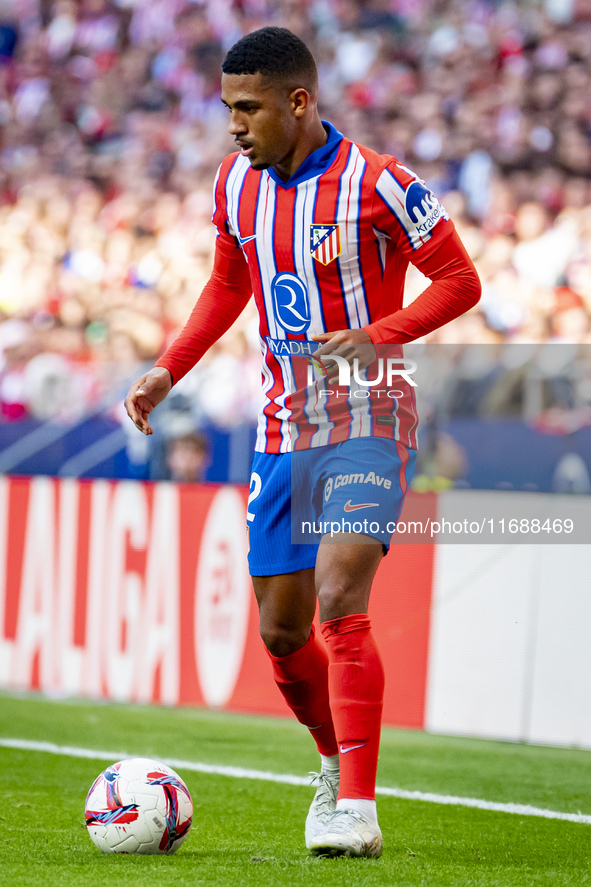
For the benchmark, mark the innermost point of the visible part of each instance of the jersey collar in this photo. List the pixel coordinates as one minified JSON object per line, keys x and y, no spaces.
{"x":315,"y":163}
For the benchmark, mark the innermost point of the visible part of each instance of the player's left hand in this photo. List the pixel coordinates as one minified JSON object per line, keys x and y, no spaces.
{"x":349,"y":344}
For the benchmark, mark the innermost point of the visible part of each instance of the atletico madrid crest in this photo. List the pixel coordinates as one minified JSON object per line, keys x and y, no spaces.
{"x":325,"y":242}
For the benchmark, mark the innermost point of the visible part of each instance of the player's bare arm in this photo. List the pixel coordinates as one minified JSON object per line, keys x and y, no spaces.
{"x":145,"y":394}
{"x":335,"y":340}
{"x":349,"y":344}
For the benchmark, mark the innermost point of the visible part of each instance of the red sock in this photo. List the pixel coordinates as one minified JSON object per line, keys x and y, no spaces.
{"x":302,"y":678}
{"x":356,"y":685}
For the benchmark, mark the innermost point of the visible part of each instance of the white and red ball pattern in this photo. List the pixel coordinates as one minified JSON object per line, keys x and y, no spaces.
{"x":138,"y":806}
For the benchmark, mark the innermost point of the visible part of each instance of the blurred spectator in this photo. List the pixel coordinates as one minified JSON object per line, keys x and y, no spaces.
{"x":187,"y":458}
{"x":441,"y":463}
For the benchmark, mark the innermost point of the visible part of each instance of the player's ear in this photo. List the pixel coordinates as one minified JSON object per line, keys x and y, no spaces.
{"x":299,"y":100}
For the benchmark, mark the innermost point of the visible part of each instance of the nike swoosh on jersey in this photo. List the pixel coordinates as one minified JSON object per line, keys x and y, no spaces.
{"x":349,"y":507}
{"x":351,"y":748}
{"x":244,"y":240}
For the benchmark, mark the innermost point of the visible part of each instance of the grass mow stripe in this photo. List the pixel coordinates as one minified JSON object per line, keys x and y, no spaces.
{"x":289,"y":779}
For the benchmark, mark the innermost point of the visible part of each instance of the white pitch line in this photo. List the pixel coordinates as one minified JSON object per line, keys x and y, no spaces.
{"x":289,"y":779}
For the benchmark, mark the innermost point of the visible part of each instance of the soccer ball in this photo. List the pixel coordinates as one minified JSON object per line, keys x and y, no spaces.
{"x":138,"y":806}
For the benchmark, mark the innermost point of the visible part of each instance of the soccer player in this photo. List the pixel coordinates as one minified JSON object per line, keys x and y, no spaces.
{"x":321,"y":230}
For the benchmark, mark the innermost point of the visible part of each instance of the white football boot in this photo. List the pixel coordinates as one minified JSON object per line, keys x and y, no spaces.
{"x":347,"y":833}
{"x":324,"y":803}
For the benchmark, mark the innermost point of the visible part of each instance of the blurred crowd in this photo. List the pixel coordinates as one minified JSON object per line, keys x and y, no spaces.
{"x":111,"y":130}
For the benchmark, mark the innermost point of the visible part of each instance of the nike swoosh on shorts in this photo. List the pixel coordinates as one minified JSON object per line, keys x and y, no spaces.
{"x":349,"y":507}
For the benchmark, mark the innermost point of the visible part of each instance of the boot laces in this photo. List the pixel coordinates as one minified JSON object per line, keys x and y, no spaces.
{"x":327,"y":787}
{"x":340,"y":820}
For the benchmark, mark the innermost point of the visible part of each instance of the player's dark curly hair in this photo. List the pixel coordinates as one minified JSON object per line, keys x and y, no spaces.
{"x":275,"y":53}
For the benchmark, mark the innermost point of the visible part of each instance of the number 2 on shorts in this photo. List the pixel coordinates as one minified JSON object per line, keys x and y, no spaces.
{"x":256,"y":484}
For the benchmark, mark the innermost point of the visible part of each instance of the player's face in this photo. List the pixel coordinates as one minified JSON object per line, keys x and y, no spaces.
{"x":263,"y":118}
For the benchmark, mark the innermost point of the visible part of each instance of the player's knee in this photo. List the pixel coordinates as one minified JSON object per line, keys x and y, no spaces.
{"x":282,"y":640}
{"x":336,"y":598}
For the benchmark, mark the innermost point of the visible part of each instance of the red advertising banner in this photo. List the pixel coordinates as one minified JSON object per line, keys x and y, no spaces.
{"x":140,"y":592}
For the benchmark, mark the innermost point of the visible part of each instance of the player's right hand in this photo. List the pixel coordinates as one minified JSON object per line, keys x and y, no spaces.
{"x":145,"y":394}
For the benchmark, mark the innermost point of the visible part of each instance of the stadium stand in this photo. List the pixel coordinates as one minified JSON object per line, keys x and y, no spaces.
{"x":111,"y":130}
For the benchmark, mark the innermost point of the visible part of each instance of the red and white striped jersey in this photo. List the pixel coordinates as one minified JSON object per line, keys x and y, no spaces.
{"x":326,"y":250}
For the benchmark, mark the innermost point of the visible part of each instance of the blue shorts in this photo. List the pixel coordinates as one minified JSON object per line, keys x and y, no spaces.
{"x":357,"y":486}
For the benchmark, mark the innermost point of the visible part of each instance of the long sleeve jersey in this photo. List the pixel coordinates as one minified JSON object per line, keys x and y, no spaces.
{"x":324,"y":251}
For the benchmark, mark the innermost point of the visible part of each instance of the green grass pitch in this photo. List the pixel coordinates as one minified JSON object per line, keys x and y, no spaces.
{"x":247,"y":832}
